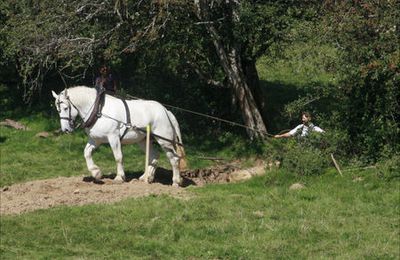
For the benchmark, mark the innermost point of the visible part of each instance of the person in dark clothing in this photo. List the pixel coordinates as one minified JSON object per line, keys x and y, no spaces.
{"x":106,"y":80}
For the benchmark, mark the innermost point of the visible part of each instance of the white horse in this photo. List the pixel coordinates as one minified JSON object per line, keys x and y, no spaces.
{"x":112,"y":127}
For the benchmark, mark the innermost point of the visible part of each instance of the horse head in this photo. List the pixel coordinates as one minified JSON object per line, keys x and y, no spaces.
{"x":66,"y":110}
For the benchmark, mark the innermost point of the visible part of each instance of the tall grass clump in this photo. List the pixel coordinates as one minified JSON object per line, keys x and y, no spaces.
{"x":389,"y":169}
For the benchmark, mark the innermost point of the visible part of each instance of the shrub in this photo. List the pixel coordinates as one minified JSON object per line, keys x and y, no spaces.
{"x":308,"y":156}
{"x":302,"y":158}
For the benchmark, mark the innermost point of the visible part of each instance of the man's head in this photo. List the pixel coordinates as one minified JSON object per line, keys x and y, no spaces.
{"x":104,"y":69}
{"x":306,"y":118}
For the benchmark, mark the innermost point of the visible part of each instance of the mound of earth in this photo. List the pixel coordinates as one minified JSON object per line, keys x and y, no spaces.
{"x":42,"y":194}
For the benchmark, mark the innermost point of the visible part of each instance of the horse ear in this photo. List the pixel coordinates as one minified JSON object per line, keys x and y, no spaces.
{"x":54,"y":94}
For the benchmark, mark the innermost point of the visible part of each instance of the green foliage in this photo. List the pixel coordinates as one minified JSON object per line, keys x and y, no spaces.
{"x":303,"y":159}
{"x":370,"y":75}
{"x":309,"y":155}
{"x":344,"y":68}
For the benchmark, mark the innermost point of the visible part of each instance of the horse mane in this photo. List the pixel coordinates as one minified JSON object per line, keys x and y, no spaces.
{"x":81,"y":94}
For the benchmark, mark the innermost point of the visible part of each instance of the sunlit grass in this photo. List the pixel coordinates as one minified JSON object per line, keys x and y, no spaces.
{"x":333,"y":217}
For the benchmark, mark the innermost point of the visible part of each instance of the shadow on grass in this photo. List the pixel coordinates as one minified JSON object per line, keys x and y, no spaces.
{"x":162,"y":176}
{"x":3,"y":139}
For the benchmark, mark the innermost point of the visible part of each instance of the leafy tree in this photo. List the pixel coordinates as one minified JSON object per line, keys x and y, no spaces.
{"x":218,"y":40}
{"x":367,"y":36}
{"x":221,"y":41}
{"x":68,"y":37}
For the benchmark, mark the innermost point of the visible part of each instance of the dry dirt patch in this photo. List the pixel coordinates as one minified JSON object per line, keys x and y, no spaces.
{"x":42,"y":194}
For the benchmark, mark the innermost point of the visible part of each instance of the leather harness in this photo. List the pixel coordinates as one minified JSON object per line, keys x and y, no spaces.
{"x":97,"y":108}
{"x":128,"y":124}
{"x":96,"y":114}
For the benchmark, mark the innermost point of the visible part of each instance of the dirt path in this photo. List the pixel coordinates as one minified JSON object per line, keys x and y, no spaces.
{"x":42,"y":194}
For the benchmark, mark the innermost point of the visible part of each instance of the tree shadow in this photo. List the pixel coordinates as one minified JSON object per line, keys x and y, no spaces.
{"x":277,"y":95}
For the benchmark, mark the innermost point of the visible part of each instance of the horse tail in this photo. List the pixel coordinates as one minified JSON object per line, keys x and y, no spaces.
{"x":178,"y":138}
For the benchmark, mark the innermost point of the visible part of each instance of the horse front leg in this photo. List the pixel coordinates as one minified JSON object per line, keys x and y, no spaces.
{"x":115,"y":145}
{"x":92,"y":167}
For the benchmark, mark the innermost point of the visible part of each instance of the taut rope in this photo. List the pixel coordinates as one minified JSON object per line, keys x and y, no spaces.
{"x":211,"y":117}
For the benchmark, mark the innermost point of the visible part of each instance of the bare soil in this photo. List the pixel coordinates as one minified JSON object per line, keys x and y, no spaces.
{"x":42,"y":194}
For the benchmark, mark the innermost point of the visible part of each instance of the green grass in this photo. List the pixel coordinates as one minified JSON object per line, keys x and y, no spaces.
{"x":333,"y":217}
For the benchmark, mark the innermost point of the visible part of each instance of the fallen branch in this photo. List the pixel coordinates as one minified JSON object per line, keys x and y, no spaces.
{"x":13,"y":124}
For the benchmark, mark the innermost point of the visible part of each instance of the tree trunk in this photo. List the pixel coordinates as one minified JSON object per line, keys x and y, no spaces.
{"x":252,"y":79}
{"x":250,"y":112}
{"x":231,"y":63}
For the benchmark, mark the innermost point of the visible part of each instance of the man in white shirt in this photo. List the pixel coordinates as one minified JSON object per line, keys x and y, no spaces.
{"x":303,"y":129}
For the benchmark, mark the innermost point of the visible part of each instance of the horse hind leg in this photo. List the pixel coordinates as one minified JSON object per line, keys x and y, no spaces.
{"x":148,"y":175}
{"x":174,"y":160}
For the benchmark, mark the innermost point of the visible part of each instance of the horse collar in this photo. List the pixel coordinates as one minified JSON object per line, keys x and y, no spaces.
{"x":97,"y":107}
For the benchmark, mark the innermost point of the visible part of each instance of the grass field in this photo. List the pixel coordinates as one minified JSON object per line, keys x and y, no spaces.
{"x":333,"y":217}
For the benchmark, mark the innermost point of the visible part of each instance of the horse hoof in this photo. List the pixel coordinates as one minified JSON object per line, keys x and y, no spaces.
{"x":145,"y":179}
{"x":175,"y":185}
{"x":97,"y":174}
{"x":119,"y":179}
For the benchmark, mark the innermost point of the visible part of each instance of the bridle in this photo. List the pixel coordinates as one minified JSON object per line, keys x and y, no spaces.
{"x":70,"y":105}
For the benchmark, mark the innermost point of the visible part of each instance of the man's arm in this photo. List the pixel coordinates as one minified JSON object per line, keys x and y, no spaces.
{"x":318,"y":129}
{"x":97,"y":81}
{"x":115,"y":86}
{"x":283,"y":135}
{"x":114,"y":82}
{"x":290,"y":133}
